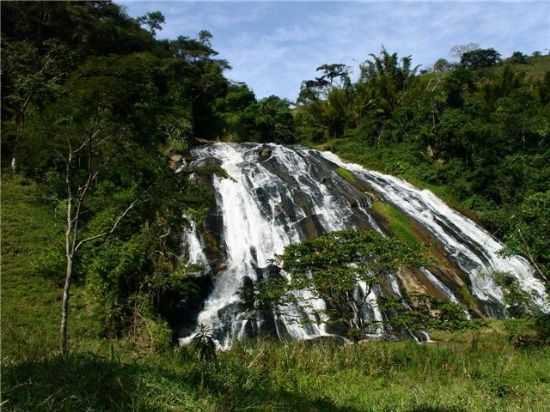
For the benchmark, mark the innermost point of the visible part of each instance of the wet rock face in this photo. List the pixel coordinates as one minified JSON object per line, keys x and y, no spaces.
{"x":264,"y":153}
{"x":269,"y":196}
{"x":206,"y":163}
{"x":175,"y":161}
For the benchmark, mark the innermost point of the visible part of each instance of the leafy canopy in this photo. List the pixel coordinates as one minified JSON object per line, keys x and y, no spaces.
{"x":342,"y":268}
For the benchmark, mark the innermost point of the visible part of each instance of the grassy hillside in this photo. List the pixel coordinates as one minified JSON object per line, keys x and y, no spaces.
{"x":468,"y":371}
{"x":30,"y":299}
{"x":536,"y":67}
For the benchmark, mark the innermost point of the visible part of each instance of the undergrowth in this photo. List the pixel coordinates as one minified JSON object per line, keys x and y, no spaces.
{"x":472,"y":370}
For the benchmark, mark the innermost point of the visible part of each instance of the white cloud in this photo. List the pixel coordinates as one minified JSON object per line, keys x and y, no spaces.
{"x":273,"y":46}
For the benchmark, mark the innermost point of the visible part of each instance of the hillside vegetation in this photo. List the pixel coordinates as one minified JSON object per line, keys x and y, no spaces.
{"x":96,"y":113}
{"x":476,"y":133}
{"x":471,"y":370}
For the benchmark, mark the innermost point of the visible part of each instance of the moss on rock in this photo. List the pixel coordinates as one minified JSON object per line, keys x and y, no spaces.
{"x":346,"y":175}
{"x":397,"y":222}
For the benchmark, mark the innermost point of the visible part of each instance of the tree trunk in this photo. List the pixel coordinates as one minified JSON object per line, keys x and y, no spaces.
{"x":65,"y":307}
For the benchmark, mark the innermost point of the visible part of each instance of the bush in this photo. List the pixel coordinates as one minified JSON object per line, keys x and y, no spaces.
{"x":542,"y":326}
{"x":50,"y":263}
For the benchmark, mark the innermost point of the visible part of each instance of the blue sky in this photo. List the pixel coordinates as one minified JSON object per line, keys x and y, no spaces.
{"x":274,"y":45}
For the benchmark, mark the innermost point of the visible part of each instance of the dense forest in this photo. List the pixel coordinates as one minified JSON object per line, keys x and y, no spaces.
{"x":477,"y":128}
{"x":92,"y":107}
{"x":96,"y":110}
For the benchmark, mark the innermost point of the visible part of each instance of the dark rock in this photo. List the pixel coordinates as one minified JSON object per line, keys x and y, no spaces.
{"x":176,"y":161}
{"x":206,"y":163}
{"x":310,"y":227}
{"x":328,"y":339}
{"x":265,"y":153}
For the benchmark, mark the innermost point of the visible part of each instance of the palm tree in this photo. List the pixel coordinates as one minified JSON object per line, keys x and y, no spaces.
{"x":386,"y":77}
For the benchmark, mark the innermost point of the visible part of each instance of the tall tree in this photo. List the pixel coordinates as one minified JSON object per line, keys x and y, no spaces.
{"x":343,"y":268}
{"x":458,"y":50}
{"x":479,"y":58}
{"x":153,"y":20}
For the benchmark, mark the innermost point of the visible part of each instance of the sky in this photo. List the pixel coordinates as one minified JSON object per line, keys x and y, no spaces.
{"x":274,"y":45}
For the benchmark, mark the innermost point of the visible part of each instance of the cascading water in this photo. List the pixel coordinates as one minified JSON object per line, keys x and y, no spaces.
{"x":195,"y":252}
{"x":275,"y":195}
{"x":473,"y":248}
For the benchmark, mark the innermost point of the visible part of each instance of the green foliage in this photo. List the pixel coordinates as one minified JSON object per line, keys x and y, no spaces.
{"x":331,"y":266}
{"x":204,"y":344}
{"x":441,"y":66}
{"x":479,"y":58}
{"x":530,"y":332}
{"x":346,"y":175}
{"x":153,"y":20}
{"x":542,"y":326}
{"x":518,"y":57}
{"x":370,"y":253}
{"x":30,"y":298}
{"x":333,"y":72}
{"x":455,"y":374}
{"x":458,"y":372}
{"x":399,"y":223}
{"x":475,"y":135}
{"x":528,"y":234}
{"x":116,"y":100}
{"x":269,"y":120}
{"x":519,"y":303}
{"x":50,"y":263}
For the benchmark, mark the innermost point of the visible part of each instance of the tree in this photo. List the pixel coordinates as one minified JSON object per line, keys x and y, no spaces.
{"x":518,"y":302}
{"x":382,"y":84}
{"x":333,"y":72}
{"x":233,"y":110}
{"x":320,"y":87}
{"x":480,"y":58}
{"x":203,"y":81}
{"x":442,"y":66}
{"x":153,"y":20}
{"x":343,"y":268}
{"x":273,"y":120}
{"x":78,"y":187}
{"x":30,"y":76}
{"x":100,"y":135}
{"x":518,"y":58}
{"x":459,"y":50}
{"x":529,"y":233}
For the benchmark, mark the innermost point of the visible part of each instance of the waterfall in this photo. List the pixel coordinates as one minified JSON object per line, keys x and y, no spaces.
{"x":472,"y":247}
{"x":275,"y":195}
{"x":195,"y":252}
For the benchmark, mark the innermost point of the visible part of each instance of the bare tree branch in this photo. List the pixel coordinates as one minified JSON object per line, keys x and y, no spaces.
{"x":113,"y":228}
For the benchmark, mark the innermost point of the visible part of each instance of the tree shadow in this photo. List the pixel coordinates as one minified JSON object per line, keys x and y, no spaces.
{"x":84,"y":382}
{"x":79,"y":382}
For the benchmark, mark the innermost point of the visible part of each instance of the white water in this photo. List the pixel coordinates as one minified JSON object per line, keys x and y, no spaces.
{"x":254,"y":235}
{"x":195,"y":252}
{"x":458,"y":234}
{"x":439,"y":285}
{"x":258,"y":225}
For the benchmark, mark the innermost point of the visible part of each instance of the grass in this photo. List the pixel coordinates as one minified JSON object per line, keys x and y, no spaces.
{"x":30,"y":301}
{"x":399,"y":223}
{"x":463,"y":371}
{"x":346,"y":175}
{"x":459,"y":374}
{"x":535,"y":69}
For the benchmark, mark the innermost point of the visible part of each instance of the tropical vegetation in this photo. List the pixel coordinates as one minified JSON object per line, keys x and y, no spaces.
{"x":96,"y":114}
